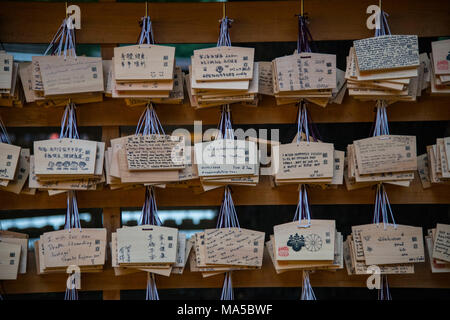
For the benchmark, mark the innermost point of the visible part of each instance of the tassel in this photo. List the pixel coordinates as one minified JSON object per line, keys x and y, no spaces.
{"x":71,"y":288}
{"x":4,"y":136}
{"x":224,"y":35}
{"x":307,"y":291}
{"x":63,"y":42}
{"x":149,"y":122}
{"x":303,"y":211}
{"x":304,"y":38}
{"x":227,"y":290}
{"x":152,"y":292}
{"x":305,"y":126}
{"x":146,"y":35}
{"x":384,"y":293}
{"x":384,"y":26}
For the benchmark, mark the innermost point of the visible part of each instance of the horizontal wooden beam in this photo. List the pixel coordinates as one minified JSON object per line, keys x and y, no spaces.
{"x":114,"y":112}
{"x":266,"y":277}
{"x":169,"y":197}
{"x":254,"y":21}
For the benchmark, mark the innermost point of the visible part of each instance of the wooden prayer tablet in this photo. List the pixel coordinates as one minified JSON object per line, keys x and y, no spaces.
{"x":25,"y":70}
{"x":147,"y":244}
{"x":9,"y":158}
{"x":155,"y":152}
{"x":305,"y":71}
{"x":226,"y":157}
{"x":20,"y":239}
{"x":9,"y":260}
{"x":144,"y":62}
{"x":80,"y":247}
{"x":6,"y":71}
{"x":234,"y":246}
{"x":423,"y":170}
{"x":387,"y":52}
{"x":65,"y":157}
{"x":223,"y":63}
{"x":386,"y":153}
{"x":303,"y":160}
{"x":392,"y":246}
{"x":68,"y":75}
{"x":441,"y":248}
{"x":265,"y":78}
{"x":315,"y":242}
{"x":22,"y":172}
{"x":441,"y":61}
{"x":338,"y":167}
{"x":434,"y":265}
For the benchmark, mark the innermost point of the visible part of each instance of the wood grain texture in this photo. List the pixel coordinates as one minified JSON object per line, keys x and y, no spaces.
{"x":266,"y":277}
{"x":243,"y":195}
{"x":258,"y":21}
{"x":114,"y":112}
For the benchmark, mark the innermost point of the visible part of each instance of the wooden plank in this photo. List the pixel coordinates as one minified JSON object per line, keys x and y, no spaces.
{"x":266,"y":277}
{"x":111,"y":221}
{"x":107,"y":51}
{"x":111,"y":294}
{"x":114,"y":112}
{"x":255,"y":21}
{"x":285,"y":195}
{"x":108,"y":133}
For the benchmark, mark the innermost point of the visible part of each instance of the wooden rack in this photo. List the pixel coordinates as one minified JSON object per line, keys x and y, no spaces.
{"x":108,"y":23}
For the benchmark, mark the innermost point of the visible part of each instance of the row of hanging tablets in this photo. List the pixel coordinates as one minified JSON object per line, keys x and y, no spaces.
{"x":385,"y":68}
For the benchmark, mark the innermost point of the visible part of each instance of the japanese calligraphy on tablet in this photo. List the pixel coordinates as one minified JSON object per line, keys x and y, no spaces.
{"x":141,"y":62}
{"x":223,"y":63}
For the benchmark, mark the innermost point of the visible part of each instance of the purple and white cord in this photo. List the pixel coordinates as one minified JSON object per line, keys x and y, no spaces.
{"x":304,"y":38}
{"x":4,"y":136}
{"x":307,"y":290}
{"x":382,"y":211}
{"x":384,"y":293}
{"x":224,"y":35}
{"x":381,"y":123}
{"x":63,"y":42}
{"x":149,"y":122}
{"x":302,"y":213}
{"x":152,"y":291}
{"x":305,"y":124}
{"x":384,"y":26}
{"x":146,"y":36}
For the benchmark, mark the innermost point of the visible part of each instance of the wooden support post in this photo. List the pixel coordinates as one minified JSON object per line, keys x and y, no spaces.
{"x":111,"y":221}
